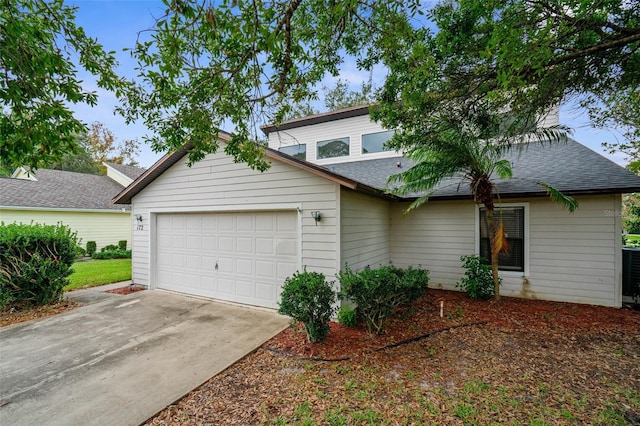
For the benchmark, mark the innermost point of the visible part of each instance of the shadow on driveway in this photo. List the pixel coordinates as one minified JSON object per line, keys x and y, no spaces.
{"x":121,"y":359}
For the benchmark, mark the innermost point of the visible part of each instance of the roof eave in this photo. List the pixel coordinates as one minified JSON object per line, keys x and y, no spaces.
{"x":317,"y":119}
{"x":534,"y":194}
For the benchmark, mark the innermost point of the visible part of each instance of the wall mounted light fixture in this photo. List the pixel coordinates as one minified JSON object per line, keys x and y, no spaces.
{"x":316,"y":216}
{"x":138,"y":218}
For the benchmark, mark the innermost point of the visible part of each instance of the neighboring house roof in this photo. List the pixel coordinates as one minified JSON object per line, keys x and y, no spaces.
{"x":570,"y":167}
{"x":58,"y":189}
{"x":132,"y":172}
{"x":324,"y":117}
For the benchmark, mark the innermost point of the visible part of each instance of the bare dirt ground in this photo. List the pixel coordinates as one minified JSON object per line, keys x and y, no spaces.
{"x":509,"y":362}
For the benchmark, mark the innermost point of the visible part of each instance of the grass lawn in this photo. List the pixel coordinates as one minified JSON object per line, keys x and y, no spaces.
{"x":98,"y":272}
{"x":633,"y":237}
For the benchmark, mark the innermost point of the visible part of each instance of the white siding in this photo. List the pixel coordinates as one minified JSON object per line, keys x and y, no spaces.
{"x":353,"y":128}
{"x":216,"y":184}
{"x":102,"y":227}
{"x":433,"y":237}
{"x":572,"y":257}
{"x":365,"y":230}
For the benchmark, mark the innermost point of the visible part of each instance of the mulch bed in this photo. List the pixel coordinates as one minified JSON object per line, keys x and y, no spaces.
{"x":13,"y":315}
{"x":423,"y":318}
{"x":127,"y":289}
{"x":512,"y":361}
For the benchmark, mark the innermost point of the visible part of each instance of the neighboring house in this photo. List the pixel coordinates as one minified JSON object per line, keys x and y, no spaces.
{"x":81,"y":201}
{"x":221,"y":230}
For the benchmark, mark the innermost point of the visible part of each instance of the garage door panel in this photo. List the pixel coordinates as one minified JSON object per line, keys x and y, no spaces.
{"x":254,"y":253}
{"x":287,"y":247}
{"x":225,"y":243}
{"x":264,"y":269}
{"x":264,"y":246}
{"x":225,"y":222}
{"x":285,"y":269}
{"x":244,"y":267}
{"x":286,"y":223}
{"x":264,"y":223}
{"x":245,"y":245}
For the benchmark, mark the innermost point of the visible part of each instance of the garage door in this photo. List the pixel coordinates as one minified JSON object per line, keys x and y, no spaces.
{"x":238,"y":257}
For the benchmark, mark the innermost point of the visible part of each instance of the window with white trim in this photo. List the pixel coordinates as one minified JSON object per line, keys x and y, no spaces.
{"x":298,"y":150}
{"x":513,"y":218}
{"x":374,"y":142}
{"x":338,"y":147}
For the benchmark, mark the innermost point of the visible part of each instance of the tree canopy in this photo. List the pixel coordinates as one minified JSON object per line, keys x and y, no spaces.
{"x":41,"y":51}
{"x":233,"y":64}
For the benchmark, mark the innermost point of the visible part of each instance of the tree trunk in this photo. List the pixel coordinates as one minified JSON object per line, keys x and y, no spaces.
{"x":494,"y":258}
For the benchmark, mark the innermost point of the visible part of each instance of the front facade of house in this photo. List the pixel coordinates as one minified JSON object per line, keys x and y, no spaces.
{"x":221,"y":230}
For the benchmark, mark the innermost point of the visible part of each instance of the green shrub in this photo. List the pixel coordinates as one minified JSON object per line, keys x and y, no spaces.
{"x":347,"y":316}
{"x":478,"y":279}
{"x":379,"y":292}
{"x":308,"y":298}
{"x":80,"y":252}
{"x":112,"y":254}
{"x":122,"y":245}
{"x":91,"y":248}
{"x":109,"y":247}
{"x":35,"y":263}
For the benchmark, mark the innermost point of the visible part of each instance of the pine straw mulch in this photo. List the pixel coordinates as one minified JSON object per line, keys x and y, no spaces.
{"x":127,"y":289}
{"x":16,"y":314}
{"x":514,"y":361}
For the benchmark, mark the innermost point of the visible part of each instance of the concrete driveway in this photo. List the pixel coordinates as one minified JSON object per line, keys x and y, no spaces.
{"x":121,"y":359}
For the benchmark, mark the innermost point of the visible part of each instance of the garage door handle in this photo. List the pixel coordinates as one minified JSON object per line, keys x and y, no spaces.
{"x":216,"y":266}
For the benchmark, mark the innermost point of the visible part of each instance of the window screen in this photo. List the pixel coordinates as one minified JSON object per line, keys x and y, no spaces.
{"x":513,"y":219}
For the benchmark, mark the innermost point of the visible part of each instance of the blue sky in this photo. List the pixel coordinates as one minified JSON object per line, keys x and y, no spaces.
{"x":116,"y":24}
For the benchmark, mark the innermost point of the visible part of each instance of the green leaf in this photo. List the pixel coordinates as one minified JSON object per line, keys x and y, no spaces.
{"x":565,"y":201}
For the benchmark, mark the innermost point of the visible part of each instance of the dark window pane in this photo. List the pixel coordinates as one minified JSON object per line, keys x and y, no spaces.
{"x":374,"y":142}
{"x":298,"y":151}
{"x":333,"y":148}
{"x":513,"y":220}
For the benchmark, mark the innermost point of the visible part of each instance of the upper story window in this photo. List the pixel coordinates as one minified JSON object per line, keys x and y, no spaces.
{"x":513,"y":219}
{"x":374,"y":142}
{"x":298,"y":151}
{"x":338,"y":147}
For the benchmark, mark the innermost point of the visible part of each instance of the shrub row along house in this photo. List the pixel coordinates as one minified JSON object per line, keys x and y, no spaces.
{"x":221,"y":230}
{"x":81,"y":201}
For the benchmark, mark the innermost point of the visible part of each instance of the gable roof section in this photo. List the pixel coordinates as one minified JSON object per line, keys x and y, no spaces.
{"x":132,"y":172}
{"x":172,"y":158}
{"x":570,"y":167}
{"x":58,"y":189}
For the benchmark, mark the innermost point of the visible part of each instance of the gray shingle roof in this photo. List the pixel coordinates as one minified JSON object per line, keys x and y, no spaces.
{"x":60,"y":189}
{"x":570,"y":167}
{"x":131,"y":172}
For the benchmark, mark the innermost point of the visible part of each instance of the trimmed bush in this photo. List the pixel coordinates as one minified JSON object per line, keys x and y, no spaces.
{"x":35,"y":263}
{"x":80,"y":252}
{"x":91,"y":248}
{"x":109,"y":247}
{"x":347,"y":316}
{"x":112,"y":254}
{"x":478,"y":278}
{"x":308,"y":298}
{"x":122,"y":245}
{"x":379,"y":292}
